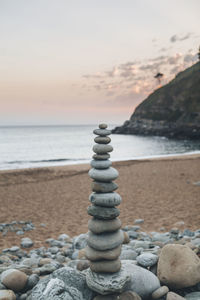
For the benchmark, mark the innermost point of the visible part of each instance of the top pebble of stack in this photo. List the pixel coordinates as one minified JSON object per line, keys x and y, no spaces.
{"x":102,"y":131}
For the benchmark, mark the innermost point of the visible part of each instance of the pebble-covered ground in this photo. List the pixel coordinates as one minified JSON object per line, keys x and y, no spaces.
{"x":164,"y":265}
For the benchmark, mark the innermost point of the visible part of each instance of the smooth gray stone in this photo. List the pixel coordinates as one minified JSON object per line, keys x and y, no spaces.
{"x":65,"y":283}
{"x":103,"y":126}
{"x":100,"y":226}
{"x":102,"y":187}
{"x":105,"y":241}
{"x":105,"y":199}
{"x":162,"y":291}
{"x":105,"y":213}
{"x":102,"y":132}
{"x":196,"y":242}
{"x":102,"y":139}
{"x":101,"y":164}
{"x":80,"y":241}
{"x":143,"y":282}
{"x":96,"y":255}
{"x":102,"y":149}
{"x":128,"y":254}
{"x":140,"y":244}
{"x":26,"y":242}
{"x":105,"y":283}
{"x":139,"y":221}
{"x":101,"y":156}
{"x":147,"y":259}
{"x":106,"y":175}
{"x":161,"y":237}
{"x":193,"y":296}
{"x":106,"y":266}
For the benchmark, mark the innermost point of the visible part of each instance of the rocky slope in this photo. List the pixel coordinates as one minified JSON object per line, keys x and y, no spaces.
{"x":172,"y":110}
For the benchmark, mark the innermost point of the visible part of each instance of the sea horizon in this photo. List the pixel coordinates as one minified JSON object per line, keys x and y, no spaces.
{"x":36,"y":146}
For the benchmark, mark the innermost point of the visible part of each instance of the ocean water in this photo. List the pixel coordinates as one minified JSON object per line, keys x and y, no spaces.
{"x":40,"y":146}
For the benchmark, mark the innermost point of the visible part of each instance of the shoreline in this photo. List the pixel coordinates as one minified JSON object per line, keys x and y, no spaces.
{"x":139,"y":158}
{"x":160,"y":191}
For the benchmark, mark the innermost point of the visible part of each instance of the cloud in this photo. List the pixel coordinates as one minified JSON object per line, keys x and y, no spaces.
{"x":95,"y":76}
{"x":172,"y":60}
{"x":176,"y":38}
{"x":190,"y":58}
{"x":113,"y":72}
{"x":134,"y":80}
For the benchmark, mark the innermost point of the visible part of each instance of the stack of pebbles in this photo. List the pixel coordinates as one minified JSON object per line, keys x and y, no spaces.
{"x":105,"y":237}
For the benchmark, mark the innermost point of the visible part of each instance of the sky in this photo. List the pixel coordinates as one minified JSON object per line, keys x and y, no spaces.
{"x":91,"y":61}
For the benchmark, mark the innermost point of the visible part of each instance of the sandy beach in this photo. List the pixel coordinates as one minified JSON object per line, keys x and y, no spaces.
{"x":161,"y":191}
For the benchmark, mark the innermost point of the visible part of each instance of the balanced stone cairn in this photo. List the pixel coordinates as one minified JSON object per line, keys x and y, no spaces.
{"x":105,"y":237}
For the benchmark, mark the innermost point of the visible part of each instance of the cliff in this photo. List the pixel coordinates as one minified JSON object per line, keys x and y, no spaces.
{"x":172,"y":110}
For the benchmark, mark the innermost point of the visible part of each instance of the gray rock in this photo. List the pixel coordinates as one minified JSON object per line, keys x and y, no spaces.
{"x":105,"y":175}
{"x":101,"y":164}
{"x":64,"y":237}
{"x":102,"y":187}
{"x":26,"y":242}
{"x":128,"y":254}
{"x":147,"y":259}
{"x":105,"y":213}
{"x":14,"y":279}
{"x":105,"y":266}
{"x":64,"y":284}
{"x":196,"y":242}
{"x":53,"y":250}
{"x":14,"y":249}
{"x":7,"y":295}
{"x":102,"y":140}
{"x":103,"y":126}
{"x":105,"y":241}
{"x":106,"y":283}
{"x":139,"y":221}
{"x":188,"y":232}
{"x":162,"y":291}
{"x":193,"y":296}
{"x":80,"y":241}
{"x":95,"y":255}
{"x":100,"y":226}
{"x":132,"y":234}
{"x":140,"y":244}
{"x":161,"y":237}
{"x":32,"y":281}
{"x":102,"y":149}
{"x":105,"y":199}
{"x":101,"y":156}
{"x":2,"y":286}
{"x":23,"y":297}
{"x":102,"y":132}
{"x":49,"y":268}
{"x":143,"y":282}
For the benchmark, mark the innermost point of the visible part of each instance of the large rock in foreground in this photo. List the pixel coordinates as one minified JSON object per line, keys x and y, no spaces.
{"x":129,"y":278}
{"x":178,"y":266}
{"x":65,"y":283}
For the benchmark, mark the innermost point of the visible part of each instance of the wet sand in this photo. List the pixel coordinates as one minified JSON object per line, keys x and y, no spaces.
{"x":160,"y":191}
